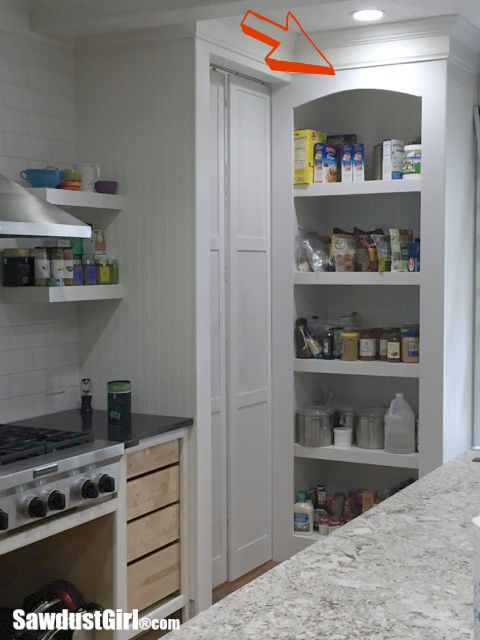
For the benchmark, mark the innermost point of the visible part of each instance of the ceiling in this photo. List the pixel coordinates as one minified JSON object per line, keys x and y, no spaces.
{"x":73,"y":18}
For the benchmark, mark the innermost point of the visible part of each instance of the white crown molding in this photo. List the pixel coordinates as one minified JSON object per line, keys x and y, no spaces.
{"x":136,"y":39}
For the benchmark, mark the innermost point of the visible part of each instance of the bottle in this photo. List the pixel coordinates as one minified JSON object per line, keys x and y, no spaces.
{"x":303,"y":515}
{"x":400,"y":426}
{"x":394,"y":347}
{"x":328,"y":345}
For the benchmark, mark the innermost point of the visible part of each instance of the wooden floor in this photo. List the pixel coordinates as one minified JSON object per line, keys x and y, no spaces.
{"x":227,"y":588}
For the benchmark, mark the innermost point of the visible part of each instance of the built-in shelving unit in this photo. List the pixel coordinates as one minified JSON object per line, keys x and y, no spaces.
{"x":358,"y":455}
{"x":63,"y":294}
{"x":79,"y":199}
{"x":368,"y":187}
{"x":371,"y":279}
{"x":358,"y":368}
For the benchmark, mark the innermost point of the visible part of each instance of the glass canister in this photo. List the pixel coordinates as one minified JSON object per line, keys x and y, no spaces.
{"x":314,"y":426}
{"x":18,"y":268}
{"x":56,"y":267}
{"x":370,"y":429}
{"x":114,"y":272}
{"x":103,"y":271}
{"x":410,"y":346}
{"x":68,"y":267}
{"x":350,"y":345}
{"x":394,"y":346}
{"x":89,"y":271}
{"x":368,"y":344}
{"x":42,"y":267}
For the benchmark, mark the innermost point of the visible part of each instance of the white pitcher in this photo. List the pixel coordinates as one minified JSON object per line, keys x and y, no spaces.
{"x":90,"y":175}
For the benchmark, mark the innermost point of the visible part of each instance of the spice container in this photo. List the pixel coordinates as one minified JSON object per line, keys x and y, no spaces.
{"x":76,"y":244}
{"x":394,"y":347}
{"x":18,"y":268}
{"x":370,"y":431}
{"x":89,"y":271}
{"x":410,"y":347}
{"x":103,"y":271}
{"x":350,"y":345}
{"x":383,"y":344}
{"x":314,"y":426}
{"x":99,"y":240}
{"x":56,"y":267}
{"x":77,"y":272}
{"x":114,"y":272}
{"x":119,"y":402}
{"x":42,"y":267}
{"x":68,"y":267}
{"x":342,"y":437}
{"x":368,"y":345}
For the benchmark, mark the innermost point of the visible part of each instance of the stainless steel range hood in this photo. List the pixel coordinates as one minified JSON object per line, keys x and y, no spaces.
{"x":24,"y":214}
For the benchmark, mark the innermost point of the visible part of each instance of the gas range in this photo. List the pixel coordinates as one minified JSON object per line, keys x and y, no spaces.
{"x":47,"y":472}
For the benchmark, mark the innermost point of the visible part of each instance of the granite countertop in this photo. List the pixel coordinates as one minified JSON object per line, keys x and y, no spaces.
{"x":402,"y":571}
{"x":143,"y":425}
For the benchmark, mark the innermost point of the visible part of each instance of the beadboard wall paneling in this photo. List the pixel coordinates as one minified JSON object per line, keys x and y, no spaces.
{"x":459,"y":265}
{"x":37,"y":128}
{"x":135,"y":117}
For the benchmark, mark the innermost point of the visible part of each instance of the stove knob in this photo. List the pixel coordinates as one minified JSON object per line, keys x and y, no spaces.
{"x":56,"y":501}
{"x":89,"y":489}
{"x":3,"y":520}
{"x":36,"y":508}
{"x":106,"y":484}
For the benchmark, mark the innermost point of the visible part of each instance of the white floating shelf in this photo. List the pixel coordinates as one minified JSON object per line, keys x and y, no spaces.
{"x":357,"y":278}
{"x":368,"y":187}
{"x":358,"y":368}
{"x":358,"y":455}
{"x":63,"y":294}
{"x":81,"y":199}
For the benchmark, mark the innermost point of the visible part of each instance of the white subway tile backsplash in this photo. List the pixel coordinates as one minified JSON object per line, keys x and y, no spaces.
{"x":37,"y":128}
{"x":29,"y":383}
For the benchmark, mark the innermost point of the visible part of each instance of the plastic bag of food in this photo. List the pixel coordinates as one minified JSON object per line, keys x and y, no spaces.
{"x":384,"y":254}
{"x":314,"y":249}
{"x":366,"y":254}
{"x":344,"y":247}
{"x":399,"y":239}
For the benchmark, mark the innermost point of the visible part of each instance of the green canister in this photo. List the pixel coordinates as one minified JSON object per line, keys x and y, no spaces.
{"x":119,"y":402}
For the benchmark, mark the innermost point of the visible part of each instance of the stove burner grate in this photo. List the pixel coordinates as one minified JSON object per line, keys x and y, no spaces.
{"x":20,"y":443}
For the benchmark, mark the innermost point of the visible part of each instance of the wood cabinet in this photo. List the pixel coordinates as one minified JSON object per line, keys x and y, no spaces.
{"x":153,"y":524}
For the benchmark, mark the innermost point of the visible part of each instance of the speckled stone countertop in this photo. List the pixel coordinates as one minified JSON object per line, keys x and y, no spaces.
{"x":402,"y":571}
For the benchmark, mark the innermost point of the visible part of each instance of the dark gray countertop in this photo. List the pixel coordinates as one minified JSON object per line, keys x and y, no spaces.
{"x":143,"y":425}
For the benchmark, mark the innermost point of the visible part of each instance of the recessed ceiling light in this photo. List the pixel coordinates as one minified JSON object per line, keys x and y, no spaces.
{"x":368,"y":15}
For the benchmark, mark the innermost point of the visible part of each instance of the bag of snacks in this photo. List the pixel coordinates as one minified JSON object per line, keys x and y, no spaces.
{"x":344,"y":247}
{"x":384,"y":255}
{"x":311,"y":247}
{"x":400,"y":239}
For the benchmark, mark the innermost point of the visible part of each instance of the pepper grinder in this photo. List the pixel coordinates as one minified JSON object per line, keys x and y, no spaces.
{"x":86,"y":392}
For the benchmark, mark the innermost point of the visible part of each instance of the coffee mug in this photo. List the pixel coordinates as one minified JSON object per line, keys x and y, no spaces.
{"x":90,"y":175}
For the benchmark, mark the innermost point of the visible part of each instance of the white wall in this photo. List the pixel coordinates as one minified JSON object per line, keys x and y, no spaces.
{"x":37,"y":127}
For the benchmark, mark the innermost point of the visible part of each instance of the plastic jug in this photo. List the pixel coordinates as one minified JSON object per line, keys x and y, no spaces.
{"x":400,"y":426}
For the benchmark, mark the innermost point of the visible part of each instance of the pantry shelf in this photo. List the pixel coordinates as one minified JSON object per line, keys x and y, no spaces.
{"x":80,"y":199}
{"x":358,"y":368}
{"x":63,"y":294}
{"x":358,"y":455}
{"x":356,"y":278}
{"x":369,"y":187}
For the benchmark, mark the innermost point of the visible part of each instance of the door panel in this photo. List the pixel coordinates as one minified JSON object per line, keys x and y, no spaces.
{"x":217,"y":301}
{"x":248,"y":321}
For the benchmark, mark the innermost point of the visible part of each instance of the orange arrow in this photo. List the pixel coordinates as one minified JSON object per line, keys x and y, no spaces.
{"x":285,"y":65}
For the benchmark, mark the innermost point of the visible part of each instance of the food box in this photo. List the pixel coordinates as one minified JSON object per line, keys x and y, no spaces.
{"x":329,"y":169}
{"x":304,"y":141}
{"x":358,"y":163}
{"x":392,"y":159}
{"x":346,"y":163}
{"x":318,"y":162}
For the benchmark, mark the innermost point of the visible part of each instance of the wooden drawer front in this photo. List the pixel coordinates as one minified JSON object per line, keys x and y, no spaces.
{"x":153,"y":531}
{"x":152,"y":492}
{"x":153,"y":578}
{"x":145,"y":460}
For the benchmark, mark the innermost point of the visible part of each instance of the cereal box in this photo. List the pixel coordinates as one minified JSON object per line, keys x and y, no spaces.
{"x":329,"y":172}
{"x":358,"y":163}
{"x":304,"y":141}
{"x":346,"y":163}
{"x":318,"y":162}
{"x":392,"y":159}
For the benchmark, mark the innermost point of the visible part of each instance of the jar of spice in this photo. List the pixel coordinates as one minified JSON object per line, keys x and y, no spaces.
{"x":368,"y":345}
{"x":350,"y":345}
{"x":103,"y":271}
{"x":114,"y":272}
{"x":77,"y":272}
{"x":394,"y":347}
{"x":42,"y":267}
{"x":56,"y":267}
{"x":68,"y":267}
{"x":89,"y":271}
{"x":382,"y":344}
{"x":18,"y":268}
{"x":410,"y":347}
